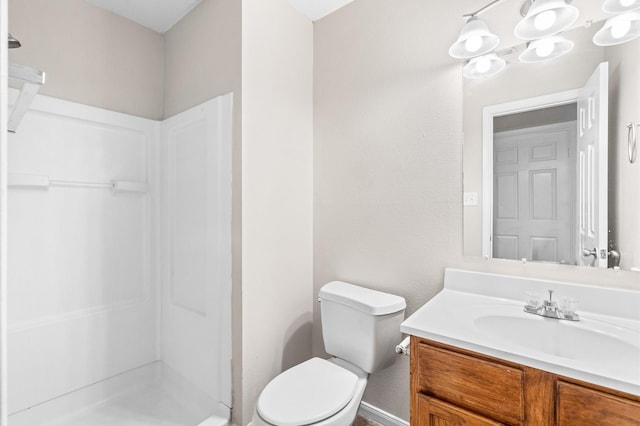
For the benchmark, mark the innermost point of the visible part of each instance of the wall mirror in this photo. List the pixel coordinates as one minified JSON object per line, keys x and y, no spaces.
{"x":534,"y":188}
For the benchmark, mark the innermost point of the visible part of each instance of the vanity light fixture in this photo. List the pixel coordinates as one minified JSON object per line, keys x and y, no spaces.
{"x":545,"y":18}
{"x":483,"y":66}
{"x":541,"y":24}
{"x":619,"y":29}
{"x":546,"y":49}
{"x":620,"y":6}
{"x":475,"y":39}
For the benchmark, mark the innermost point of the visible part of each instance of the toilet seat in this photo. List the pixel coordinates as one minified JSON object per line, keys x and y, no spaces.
{"x":307,"y":393}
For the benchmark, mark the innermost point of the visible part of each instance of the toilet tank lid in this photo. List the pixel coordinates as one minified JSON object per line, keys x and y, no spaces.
{"x":364,"y":299}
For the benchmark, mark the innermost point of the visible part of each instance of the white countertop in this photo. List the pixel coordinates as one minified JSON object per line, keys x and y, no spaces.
{"x":484,"y":313}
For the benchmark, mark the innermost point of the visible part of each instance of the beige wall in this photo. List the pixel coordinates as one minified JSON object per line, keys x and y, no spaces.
{"x":202,"y":60}
{"x":277,"y":193}
{"x":203,"y":56}
{"x":387,"y":158}
{"x":90,"y":55}
{"x":388,"y":126}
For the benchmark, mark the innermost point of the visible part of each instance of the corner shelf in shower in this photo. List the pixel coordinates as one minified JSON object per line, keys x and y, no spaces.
{"x":31,"y":79}
{"x":43,"y":182}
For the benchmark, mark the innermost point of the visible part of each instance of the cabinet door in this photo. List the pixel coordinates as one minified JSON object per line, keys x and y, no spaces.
{"x":433,"y":412}
{"x":480,"y":385}
{"x":579,"y":406}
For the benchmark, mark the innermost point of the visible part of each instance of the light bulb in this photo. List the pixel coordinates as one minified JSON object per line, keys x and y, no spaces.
{"x":626,"y":3}
{"x":483,"y":65}
{"x":473,"y":43}
{"x":544,"y":48}
{"x":544,"y":20}
{"x":620,"y":28}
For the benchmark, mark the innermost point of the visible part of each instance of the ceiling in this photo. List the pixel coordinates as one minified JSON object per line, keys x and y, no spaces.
{"x":316,"y":9}
{"x":161,"y":15}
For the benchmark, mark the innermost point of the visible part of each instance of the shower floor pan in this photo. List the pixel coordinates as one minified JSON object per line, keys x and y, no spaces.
{"x":153,"y":395}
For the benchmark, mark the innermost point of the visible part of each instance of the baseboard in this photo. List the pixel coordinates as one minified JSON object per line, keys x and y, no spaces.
{"x":380,"y":416}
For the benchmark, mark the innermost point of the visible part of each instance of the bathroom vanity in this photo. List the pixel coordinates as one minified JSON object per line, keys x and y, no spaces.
{"x":477,"y":358}
{"x":452,"y":386}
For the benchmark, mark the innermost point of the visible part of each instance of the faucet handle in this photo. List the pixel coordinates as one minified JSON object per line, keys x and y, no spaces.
{"x":568,"y":305}
{"x":550,"y":308}
{"x":534,"y":299}
{"x":550,"y":303}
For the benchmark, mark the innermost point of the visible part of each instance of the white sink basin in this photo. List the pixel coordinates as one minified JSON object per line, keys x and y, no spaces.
{"x":484,"y":313}
{"x":582,"y":341}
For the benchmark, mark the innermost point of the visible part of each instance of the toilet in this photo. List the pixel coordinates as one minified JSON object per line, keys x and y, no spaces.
{"x":360,"y":328}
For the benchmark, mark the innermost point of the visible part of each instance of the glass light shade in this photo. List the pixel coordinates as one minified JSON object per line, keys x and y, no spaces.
{"x":475,"y":39}
{"x":546,"y":49}
{"x":545,"y":18}
{"x":620,"y":6}
{"x":483,"y":66}
{"x":619,"y":29}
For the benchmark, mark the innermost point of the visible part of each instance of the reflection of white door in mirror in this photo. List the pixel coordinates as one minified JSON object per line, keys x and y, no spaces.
{"x":592,"y":166}
{"x":532,"y":192}
{"x":546,"y":192}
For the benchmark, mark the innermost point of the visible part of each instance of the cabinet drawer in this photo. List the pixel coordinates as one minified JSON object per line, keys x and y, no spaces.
{"x":433,"y":412}
{"x":577,"y":405}
{"x":479,"y":385}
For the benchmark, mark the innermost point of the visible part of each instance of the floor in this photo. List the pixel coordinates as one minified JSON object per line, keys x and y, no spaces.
{"x":361,"y":421}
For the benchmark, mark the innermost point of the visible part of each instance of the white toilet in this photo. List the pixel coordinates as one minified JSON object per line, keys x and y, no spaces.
{"x":361,"y":328}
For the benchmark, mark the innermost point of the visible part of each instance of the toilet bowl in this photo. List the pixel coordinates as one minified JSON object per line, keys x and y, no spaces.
{"x":317,"y":392}
{"x":360,"y":329}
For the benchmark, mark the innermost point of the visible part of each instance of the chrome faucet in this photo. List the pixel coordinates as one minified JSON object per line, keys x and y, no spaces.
{"x":549,"y":309}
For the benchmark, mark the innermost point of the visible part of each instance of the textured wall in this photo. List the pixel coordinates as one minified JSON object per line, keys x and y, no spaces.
{"x":277,"y":193}
{"x":387,"y":159}
{"x":90,"y":56}
{"x":202,"y":56}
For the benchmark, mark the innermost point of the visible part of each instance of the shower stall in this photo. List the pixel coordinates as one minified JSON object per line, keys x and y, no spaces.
{"x":118,"y":288}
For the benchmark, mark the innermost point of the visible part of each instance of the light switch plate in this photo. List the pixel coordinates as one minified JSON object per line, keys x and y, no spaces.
{"x":470,"y":198}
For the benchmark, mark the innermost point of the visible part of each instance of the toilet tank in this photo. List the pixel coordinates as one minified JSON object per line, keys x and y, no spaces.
{"x":360,"y":325}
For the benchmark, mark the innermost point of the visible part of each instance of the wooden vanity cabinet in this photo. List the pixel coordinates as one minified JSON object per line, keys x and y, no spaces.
{"x":580,"y":405}
{"x":453,"y":386}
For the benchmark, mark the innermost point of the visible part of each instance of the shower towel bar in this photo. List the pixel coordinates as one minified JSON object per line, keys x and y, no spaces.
{"x":29,"y":181}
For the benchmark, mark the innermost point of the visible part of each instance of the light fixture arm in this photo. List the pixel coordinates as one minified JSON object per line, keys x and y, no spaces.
{"x":482,"y":9}
{"x":526,"y":5}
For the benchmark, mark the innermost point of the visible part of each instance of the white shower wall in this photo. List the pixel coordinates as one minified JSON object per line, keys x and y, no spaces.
{"x":82,"y":304}
{"x":196,"y":260}
{"x":84,"y":284}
